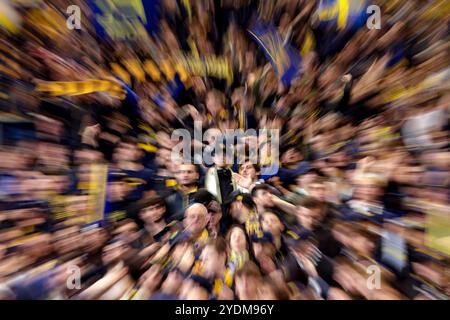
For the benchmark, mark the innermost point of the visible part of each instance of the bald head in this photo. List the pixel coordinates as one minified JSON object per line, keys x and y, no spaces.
{"x":195,"y":218}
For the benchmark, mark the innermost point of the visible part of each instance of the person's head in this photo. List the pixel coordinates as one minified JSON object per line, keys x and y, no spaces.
{"x":249,"y":170}
{"x":118,"y":190}
{"x":240,"y":207}
{"x":215,"y":101}
{"x":128,"y":230}
{"x":262,"y":196}
{"x":127,"y":150}
{"x":153,"y":210}
{"x":247,"y":280}
{"x":362,"y":241}
{"x":310,"y":212}
{"x":237,"y":239}
{"x":271,"y":223}
{"x":303,"y":180}
{"x":215,"y":213}
{"x":172,"y":283}
{"x":292,"y":155}
{"x":195,"y":218}
{"x":187,"y":174}
{"x":269,"y":290}
{"x":114,"y":251}
{"x":369,"y":187}
{"x":316,"y":188}
{"x":214,"y":256}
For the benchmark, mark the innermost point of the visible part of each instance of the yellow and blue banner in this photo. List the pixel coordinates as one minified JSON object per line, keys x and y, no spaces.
{"x":344,"y":14}
{"x":285,"y":59}
{"x":125,"y":19}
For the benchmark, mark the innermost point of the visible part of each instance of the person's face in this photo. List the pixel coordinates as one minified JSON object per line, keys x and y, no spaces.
{"x":195,"y":219}
{"x":309,"y":218}
{"x":238,"y":212}
{"x":247,"y":170}
{"x":187,"y":174}
{"x":238,"y":242}
{"x":362,"y":244}
{"x":246,"y":287}
{"x":113,"y":252}
{"x":153,"y":213}
{"x":271,"y":223}
{"x":118,"y":190}
{"x":317,"y":191}
{"x":172,"y":283}
{"x":213,"y":103}
{"x":93,"y":239}
{"x":264,"y":198}
{"x":212,"y":261}
{"x":368,"y":192}
{"x":304,"y":179}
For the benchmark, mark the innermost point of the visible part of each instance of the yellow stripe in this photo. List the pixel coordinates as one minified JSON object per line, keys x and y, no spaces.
{"x":117,"y":69}
{"x":343,"y":13}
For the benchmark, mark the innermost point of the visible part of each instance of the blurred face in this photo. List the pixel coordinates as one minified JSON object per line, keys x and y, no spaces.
{"x":309,"y":218}
{"x":213,"y":103}
{"x":114,"y":252}
{"x":238,"y":212}
{"x":195,"y":218}
{"x":368,"y":192}
{"x":271,"y":223}
{"x":212,"y":261}
{"x":153,"y":213}
{"x":172,"y":283}
{"x":238,"y":242}
{"x":263,"y":198}
{"x":247,"y":170}
{"x":118,"y":190}
{"x":187,"y":175}
{"x":127,"y":152}
{"x":246,"y":287}
{"x":317,"y":191}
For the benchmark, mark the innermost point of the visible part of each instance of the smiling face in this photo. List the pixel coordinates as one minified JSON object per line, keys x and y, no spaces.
{"x":248,"y":170}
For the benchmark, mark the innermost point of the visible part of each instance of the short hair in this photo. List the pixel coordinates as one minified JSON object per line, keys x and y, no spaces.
{"x":155,"y":200}
{"x":255,"y":165}
{"x":262,"y":186}
{"x":249,"y":269}
{"x":318,"y":179}
{"x":311,"y":203}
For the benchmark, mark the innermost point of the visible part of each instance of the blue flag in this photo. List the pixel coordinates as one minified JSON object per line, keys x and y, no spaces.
{"x":284,"y":58}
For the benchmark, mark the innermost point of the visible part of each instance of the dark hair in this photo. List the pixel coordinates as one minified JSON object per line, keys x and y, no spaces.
{"x":311,"y":203}
{"x":262,"y":186}
{"x":155,"y":200}
{"x":255,"y":165}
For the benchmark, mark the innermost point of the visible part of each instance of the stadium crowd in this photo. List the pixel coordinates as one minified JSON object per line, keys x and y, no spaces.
{"x":94,"y":203}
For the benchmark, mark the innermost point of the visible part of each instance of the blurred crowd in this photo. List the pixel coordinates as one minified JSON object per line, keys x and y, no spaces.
{"x":93,"y":204}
